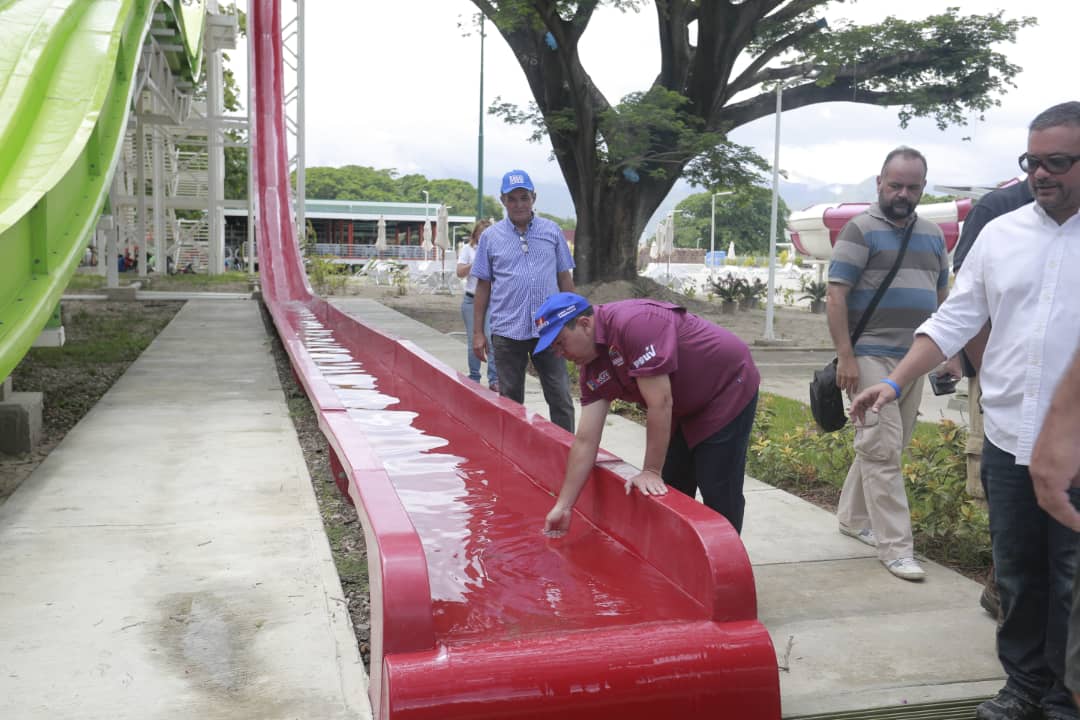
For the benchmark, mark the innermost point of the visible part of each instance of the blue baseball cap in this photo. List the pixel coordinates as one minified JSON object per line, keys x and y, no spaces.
{"x":517,"y":179}
{"x":556,"y":311}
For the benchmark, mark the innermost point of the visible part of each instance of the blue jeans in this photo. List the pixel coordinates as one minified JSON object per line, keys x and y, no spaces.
{"x":716,"y":466}
{"x":513,"y":357}
{"x":1034,"y":562}
{"x":474,"y":362}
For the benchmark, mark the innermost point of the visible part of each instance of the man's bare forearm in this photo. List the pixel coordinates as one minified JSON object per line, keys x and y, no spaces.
{"x":836,"y":313}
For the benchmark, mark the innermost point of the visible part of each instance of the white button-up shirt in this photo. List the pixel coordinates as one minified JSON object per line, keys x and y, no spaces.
{"x":1023,"y":275}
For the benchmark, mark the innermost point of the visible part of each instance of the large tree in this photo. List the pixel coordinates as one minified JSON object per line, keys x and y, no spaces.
{"x":621,"y":160}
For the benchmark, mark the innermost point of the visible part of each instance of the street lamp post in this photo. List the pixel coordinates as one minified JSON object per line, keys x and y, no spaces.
{"x":771,"y":291}
{"x":427,"y":212}
{"x":712,"y":230}
{"x":480,"y":139}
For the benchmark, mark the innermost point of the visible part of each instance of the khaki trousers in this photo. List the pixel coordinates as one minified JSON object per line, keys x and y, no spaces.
{"x":975,"y":441}
{"x":874,"y":495}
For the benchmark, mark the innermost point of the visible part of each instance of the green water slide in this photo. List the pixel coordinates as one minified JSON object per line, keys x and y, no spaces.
{"x":68,"y":72}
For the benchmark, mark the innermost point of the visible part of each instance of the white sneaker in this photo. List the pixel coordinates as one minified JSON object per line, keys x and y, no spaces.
{"x":906,"y":568}
{"x":866,"y":535}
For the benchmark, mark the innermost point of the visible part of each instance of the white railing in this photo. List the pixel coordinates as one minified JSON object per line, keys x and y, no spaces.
{"x":366,"y":252}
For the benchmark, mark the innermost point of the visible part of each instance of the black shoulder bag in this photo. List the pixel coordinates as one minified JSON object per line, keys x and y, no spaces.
{"x":826,"y":400}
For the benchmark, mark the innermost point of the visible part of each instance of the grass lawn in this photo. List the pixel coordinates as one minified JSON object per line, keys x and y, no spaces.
{"x":226,"y":282}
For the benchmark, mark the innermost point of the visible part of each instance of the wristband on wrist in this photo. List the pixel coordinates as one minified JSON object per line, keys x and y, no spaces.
{"x":893,"y":385}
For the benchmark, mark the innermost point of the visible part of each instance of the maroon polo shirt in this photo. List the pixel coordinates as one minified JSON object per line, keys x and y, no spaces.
{"x":713,"y":377}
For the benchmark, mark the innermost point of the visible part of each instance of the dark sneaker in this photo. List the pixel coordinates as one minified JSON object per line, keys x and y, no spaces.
{"x":990,"y":601}
{"x":1006,"y":706}
{"x":493,"y":387}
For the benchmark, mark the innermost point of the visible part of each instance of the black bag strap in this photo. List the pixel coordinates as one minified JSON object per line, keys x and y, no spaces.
{"x":885,"y":285}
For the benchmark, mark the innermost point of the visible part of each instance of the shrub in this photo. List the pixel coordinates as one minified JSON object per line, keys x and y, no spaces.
{"x":728,"y":287}
{"x":815,"y":291}
{"x":788,"y":451}
{"x":751,"y":292}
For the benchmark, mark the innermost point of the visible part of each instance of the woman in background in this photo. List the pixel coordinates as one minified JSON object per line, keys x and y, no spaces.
{"x":464,"y":265}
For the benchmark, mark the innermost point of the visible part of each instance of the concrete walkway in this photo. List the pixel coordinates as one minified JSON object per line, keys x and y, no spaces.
{"x":850,"y":638}
{"x":168,"y":560}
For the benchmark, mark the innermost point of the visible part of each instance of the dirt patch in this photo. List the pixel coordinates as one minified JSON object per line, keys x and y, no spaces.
{"x":799,"y":327}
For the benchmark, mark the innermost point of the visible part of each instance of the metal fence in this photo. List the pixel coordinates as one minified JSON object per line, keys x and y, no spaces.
{"x":366,"y":252}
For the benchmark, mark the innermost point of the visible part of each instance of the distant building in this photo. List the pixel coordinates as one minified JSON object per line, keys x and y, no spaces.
{"x":348,"y":228}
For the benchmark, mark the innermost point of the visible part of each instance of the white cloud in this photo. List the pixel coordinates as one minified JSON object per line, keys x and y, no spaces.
{"x":394,"y":84}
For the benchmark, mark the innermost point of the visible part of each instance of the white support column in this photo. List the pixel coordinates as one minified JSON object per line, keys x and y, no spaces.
{"x":112,"y":248}
{"x":301,"y":160}
{"x":292,"y":40}
{"x":140,"y":184}
{"x":158,"y":151}
{"x":101,"y":249}
{"x":215,"y":104}
{"x":109,"y":226}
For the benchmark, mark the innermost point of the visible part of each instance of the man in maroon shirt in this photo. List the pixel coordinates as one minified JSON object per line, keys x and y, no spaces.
{"x":695,"y":379}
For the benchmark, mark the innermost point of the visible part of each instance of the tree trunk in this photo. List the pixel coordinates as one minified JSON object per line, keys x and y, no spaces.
{"x":610,"y":220}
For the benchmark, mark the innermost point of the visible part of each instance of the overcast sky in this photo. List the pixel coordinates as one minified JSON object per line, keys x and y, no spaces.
{"x":396,"y":85}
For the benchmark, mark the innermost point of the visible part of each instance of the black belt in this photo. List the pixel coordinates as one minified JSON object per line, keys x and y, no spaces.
{"x":469,"y":294}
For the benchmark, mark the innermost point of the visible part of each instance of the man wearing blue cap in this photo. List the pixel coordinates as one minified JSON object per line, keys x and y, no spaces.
{"x":519,"y":261}
{"x":695,"y":379}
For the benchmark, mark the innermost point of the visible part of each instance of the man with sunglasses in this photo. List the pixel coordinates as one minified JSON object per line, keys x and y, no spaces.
{"x":1023,"y":276}
{"x":519,"y":262}
{"x":1004,"y":199}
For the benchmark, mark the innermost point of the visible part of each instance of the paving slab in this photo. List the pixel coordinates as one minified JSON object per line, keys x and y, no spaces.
{"x":850,"y":638}
{"x":168,"y":560}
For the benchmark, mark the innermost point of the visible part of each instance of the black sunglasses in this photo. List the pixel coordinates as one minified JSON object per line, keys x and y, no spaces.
{"x":1056,"y":164}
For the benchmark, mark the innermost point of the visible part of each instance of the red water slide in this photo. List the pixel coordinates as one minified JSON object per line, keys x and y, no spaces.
{"x":646,"y":609}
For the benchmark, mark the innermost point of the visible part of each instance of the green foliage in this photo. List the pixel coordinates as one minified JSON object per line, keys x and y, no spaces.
{"x":788,"y":451}
{"x":742,"y":217}
{"x":653,"y":133}
{"x":327,"y":277}
{"x":928,"y":199}
{"x":626,"y":156}
{"x":815,"y":290}
{"x":564,"y":223}
{"x":728,"y":287}
{"x":399,"y":278}
{"x":943,"y":66}
{"x":941,"y":511}
{"x":752,"y":291}
{"x":357,"y":182}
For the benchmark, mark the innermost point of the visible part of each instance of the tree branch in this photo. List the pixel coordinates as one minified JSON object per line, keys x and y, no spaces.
{"x":763,"y":105}
{"x":792,"y":11}
{"x":749,"y":77}
{"x":676,"y":52}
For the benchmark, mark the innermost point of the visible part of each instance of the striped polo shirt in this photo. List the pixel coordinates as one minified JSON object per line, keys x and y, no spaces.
{"x":865,"y":251}
{"x":522,"y":269}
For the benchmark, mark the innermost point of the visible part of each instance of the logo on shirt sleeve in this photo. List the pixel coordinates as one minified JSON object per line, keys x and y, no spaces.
{"x":649,"y":354}
{"x":602,"y":378}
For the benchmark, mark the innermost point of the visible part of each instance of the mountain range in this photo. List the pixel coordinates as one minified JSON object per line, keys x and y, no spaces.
{"x":798,"y":192}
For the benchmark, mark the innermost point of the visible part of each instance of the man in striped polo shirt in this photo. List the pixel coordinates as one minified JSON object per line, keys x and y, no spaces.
{"x":520,"y":261}
{"x":873,"y":504}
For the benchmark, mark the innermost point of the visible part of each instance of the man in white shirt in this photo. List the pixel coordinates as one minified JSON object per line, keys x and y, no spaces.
{"x":1024,"y":277}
